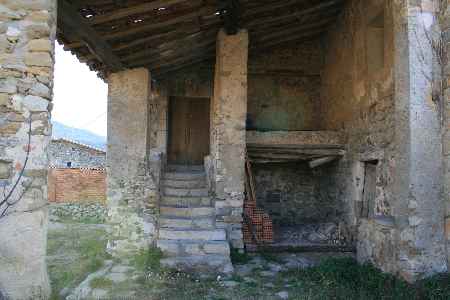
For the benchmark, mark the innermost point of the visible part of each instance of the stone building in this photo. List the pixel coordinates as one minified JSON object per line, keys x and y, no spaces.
{"x":340,"y":106}
{"x":64,"y":153}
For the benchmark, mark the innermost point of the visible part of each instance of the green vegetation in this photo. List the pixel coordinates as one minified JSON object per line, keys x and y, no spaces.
{"x":148,"y":260}
{"x":101,"y":283}
{"x":74,"y":251}
{"x":238,"y":257}
{"x":346,"y":279}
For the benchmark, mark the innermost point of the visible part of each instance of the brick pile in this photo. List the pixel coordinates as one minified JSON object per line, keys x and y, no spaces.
{"x":77,"y":185}
{"x":260,"y":222}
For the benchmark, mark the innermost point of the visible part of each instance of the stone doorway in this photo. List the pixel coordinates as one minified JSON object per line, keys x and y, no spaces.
{"x":188,"y":130}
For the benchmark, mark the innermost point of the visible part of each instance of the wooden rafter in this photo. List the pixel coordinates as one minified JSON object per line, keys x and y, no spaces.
{"x":136,"y":9}
{"x":97,"y":46}
{"x":164,"y":40}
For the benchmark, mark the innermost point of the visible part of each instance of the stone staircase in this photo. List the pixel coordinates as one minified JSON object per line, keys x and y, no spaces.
{"x":187,"y":231}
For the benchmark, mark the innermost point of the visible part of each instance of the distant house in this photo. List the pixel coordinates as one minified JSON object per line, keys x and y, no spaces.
{"x":76,"y":173}
{"x":65,"y":153}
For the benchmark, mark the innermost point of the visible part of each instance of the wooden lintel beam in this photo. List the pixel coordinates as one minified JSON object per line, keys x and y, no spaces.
{"x":321,"y":161}
{"x":132,"y":10}
{"x":72,"y":20}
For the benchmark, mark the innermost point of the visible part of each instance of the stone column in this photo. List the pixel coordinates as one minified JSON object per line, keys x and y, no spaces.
{"x":129,"y":186}
{"x":27,"y":33}
{"x":228,"y":135}
{"x":446,"y":124}
{"x":417,"y":160}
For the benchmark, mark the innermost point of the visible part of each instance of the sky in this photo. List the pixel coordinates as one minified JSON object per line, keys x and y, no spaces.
{"x":80,"y":97}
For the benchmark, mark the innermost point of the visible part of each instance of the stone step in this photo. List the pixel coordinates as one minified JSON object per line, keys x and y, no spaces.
{"x":186,"y":184}
{"x":185,"y":201}
{"x":188,"y":248}
{"x":187,"y":223}
{"x":206,"y":264}
{"x":184,"y":175}
{"x":184,"y":168}
{"x":197,"y":235}
{"x":168,"y":191}
{"x":187,"y":212}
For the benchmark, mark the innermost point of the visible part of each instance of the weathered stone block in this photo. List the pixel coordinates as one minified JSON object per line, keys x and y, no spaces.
{"x":35,"y":103}
{"x":40,"y":45}
{"x":38,"y":59}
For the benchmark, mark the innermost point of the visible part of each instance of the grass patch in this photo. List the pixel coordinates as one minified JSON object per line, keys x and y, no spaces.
{"x":101,"y":283}
{"x":73,"y":253}
{"x":148,"y":260}
{"x":346,"y":279}
{"x":238,"y":257}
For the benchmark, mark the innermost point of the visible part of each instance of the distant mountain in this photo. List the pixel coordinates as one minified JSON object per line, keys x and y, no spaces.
{"x":78,"y":135}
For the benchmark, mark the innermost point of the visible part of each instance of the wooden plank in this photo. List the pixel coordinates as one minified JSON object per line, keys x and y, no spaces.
{"x":200,"y":39}
{"x":321,"y":161}
{"x":132,"y":10}
{"x":158,"y":25}
{"x":156,"y":56}
{"x":72,"y":20}
{"x":296,"y":14}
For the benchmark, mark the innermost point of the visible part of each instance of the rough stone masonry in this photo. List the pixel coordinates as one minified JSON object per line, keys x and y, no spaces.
{"x":27,"y":34}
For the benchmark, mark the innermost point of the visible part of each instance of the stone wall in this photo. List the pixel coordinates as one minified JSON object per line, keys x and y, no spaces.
{"x":295,"y":194}
{"x":131,"y":187}
{"x":77,"y":185}
{"x":284,"y":87}
{"x":61,"y":152}
{"x":27,"y":31}
{"x":374,"y":89}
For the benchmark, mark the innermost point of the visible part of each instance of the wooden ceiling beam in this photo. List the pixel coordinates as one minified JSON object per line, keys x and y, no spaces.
{"x":297,"y":14}
{"x":198,"y":37}
{"x":69,"y":18}
{"x":132,"y":10}
{"x":158,"y":25}
{"x":174,"y":55}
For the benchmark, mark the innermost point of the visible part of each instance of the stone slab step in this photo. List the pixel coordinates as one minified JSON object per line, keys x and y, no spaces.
{"x":202,"y":192}
{"x":187,"y":212}
{"x":184,"y":176}
{"x":188,"y":248}
{"x":197,"y":235}
{"x":186,"y":184}
{"x":185,"y":201}
{"x":189,"y":223}
{"x":200,"y":263}
{"x":185,"y":168}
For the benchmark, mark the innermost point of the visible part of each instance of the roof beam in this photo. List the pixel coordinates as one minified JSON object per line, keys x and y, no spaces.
{"x":296,"y":14}
{"x":132,"y":10}
{"x":158,"y":25}
{"x":70,"y":19}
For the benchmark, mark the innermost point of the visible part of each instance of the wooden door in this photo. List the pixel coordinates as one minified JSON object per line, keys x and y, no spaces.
{"x":188,"y":130}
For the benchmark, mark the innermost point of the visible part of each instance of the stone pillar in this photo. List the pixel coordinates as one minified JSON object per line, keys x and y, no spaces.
{"x":228,"y":134}
{"x":158,"y":126}
{"x":446,"y":123}
{"x":417,"y":164}
{"x":129,"y":186}
{"x":27,"y":33}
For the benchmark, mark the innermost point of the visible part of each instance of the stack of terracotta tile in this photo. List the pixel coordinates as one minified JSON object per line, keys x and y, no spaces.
{"x":258,"y":227}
